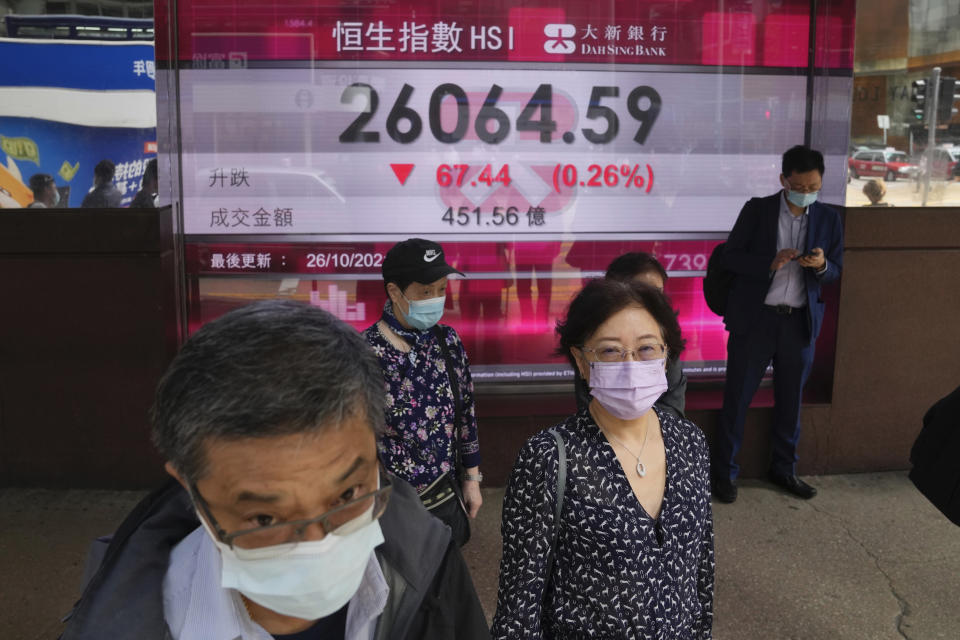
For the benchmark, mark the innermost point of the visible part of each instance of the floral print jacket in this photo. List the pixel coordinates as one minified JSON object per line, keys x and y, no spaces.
{"x":418,"y":442}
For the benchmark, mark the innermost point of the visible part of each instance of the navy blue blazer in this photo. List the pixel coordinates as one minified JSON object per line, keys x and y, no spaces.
{"x":751,"y":248}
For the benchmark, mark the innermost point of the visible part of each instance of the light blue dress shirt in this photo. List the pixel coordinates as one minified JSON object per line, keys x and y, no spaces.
{"x":788,"y":286}
{"x":196,"y":607}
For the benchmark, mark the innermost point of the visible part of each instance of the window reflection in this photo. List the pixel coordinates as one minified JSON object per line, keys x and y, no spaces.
{"x":78,"y":111}
{"x":900,"y":49}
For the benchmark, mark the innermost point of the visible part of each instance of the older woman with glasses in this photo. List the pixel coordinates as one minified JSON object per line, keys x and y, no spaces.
{"x":607,"y":526}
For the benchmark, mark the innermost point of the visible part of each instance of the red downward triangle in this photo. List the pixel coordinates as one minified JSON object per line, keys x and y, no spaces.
{"x":402,"y":171}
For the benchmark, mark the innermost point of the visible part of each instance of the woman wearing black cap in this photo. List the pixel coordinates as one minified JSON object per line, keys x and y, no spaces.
{"x":430,"y":438}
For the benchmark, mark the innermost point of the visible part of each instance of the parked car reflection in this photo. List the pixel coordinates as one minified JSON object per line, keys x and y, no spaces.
{"x":890,"y":164}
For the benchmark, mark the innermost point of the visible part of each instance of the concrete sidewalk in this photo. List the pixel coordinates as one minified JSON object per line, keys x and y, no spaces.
{"x":867,"y":559}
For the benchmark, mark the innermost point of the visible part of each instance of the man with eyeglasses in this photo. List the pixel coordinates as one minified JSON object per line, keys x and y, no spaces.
{"x":782,"y":249}
{"x":281,"y":523}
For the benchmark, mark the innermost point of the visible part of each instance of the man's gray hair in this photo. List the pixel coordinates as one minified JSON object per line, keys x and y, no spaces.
{"x":267,"y":369}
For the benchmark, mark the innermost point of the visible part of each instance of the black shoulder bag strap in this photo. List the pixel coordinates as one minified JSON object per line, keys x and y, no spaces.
{"x":561,"y":489}
{"x":441,"y":337}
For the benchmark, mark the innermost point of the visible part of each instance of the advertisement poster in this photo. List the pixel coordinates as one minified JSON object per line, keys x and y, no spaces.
{"x":65,"y":106}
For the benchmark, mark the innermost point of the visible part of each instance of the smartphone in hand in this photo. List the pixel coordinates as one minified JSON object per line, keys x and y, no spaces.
{"x":803,"y":255}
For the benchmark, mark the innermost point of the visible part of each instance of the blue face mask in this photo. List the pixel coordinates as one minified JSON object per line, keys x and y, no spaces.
{"x":423,"y":314}
{"x":802,"y":199}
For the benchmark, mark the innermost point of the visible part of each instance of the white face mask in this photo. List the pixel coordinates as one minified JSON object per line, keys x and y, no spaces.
{"x":308,"y":580}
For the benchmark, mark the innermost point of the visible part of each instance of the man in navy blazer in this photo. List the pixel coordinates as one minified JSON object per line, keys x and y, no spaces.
{"x":782,"y":249}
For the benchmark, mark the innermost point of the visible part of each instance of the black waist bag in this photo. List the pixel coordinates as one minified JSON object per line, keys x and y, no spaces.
{"x":934,"y":456}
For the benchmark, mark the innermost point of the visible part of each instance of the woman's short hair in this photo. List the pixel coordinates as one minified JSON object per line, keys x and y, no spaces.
{"x":875,"y":190}
{"x":602,"y":298}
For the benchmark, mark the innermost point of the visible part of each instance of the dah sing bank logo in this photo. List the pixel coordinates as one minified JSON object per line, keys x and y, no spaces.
{"x":558,"y":38}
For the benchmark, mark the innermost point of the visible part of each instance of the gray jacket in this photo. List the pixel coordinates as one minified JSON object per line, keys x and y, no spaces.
{"x":431,"y":593}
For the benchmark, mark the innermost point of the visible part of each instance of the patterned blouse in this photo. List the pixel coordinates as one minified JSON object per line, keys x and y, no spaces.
{"x":617,"y":573}
{"x":418,"y":442}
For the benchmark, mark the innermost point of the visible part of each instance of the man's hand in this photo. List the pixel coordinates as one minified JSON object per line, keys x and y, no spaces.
{"x":472,"y":499}
{"x":815,"y":260}
{"x":783,"y":257}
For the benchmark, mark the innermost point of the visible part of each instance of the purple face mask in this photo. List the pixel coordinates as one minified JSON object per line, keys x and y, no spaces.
{"x":629,"y":388}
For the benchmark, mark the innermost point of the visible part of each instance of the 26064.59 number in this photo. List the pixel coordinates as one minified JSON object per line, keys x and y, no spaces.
{"x":492,"y":124}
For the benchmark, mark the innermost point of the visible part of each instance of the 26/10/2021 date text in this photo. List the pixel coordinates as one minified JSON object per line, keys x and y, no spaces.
{"x":497,"y":217}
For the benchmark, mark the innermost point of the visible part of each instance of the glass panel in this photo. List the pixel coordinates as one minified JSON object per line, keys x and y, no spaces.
{"x":81,"y":96}
{"x":905,"y":100}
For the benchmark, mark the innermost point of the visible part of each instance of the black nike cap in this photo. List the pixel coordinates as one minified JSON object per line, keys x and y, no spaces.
{"x":417,"y":260}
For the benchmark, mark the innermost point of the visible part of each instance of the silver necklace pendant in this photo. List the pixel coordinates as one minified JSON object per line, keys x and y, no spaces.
{"x":641,"y":470}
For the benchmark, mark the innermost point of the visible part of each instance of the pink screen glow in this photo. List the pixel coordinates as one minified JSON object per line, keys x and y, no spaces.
{"x":689,"y":32}
{"x":505,"y":310}
{"x":729,"y":38}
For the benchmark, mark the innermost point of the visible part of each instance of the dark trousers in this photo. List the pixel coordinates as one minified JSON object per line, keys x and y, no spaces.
{"x":784,"y":340}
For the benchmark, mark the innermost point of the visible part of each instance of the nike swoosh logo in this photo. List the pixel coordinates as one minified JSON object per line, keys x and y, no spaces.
{"x":435,"y":256}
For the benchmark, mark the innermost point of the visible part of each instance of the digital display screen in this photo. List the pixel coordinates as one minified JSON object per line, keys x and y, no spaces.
{"x":507,"y":151}
{"x":535,"y":143}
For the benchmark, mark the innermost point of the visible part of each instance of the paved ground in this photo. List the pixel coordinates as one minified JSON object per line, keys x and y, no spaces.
{"x":868,"y":559}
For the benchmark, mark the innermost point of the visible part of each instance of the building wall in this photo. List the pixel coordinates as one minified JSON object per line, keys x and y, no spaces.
{"x":898,"y":348}
{"x":897,"y":42}
{"x":882,"y":35}
{"x":934,"y":27}
{"x":89,"y":325}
